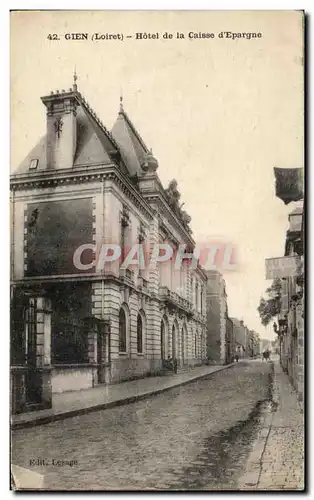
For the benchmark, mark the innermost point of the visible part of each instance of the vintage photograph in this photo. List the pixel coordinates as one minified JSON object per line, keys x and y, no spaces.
{"x":157,"y":251}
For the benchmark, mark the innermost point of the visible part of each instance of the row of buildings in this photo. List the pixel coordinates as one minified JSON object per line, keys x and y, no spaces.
{"x":226,"y":336}
{"x":78,"y":317}
{"x":289,"y":269}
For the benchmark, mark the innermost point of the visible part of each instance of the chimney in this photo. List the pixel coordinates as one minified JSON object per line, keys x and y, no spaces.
{"x":61,"y":128}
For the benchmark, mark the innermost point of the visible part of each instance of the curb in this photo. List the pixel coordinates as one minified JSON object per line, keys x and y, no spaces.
{"x":104,"y":406}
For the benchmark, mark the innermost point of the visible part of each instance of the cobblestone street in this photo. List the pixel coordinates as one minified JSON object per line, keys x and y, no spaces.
{"x":197,"y":436}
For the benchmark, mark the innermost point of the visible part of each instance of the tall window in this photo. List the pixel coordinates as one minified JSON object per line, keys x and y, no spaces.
{"x":31,"y":332}
{"x":139,"y":334}
{"x":162,"y":339}
{"x":182,"y":344}
{"x":174,"y":340}
{"x":122,"y":331}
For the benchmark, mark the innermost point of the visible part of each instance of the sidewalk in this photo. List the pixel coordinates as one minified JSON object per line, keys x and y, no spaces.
{"x":277,"y":459}
{"x":70,"y":404}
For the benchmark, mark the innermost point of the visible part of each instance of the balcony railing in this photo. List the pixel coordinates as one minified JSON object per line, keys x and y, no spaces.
{"x":199,"y":316}
{"x":174,"y":299}
{"x":142,"y":283}
{"x":127,"y":275}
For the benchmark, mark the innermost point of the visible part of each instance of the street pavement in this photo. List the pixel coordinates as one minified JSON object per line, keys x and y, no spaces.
{"x":72,"y":403}
{"x":276,"y":461}
{"x":194,"y":437}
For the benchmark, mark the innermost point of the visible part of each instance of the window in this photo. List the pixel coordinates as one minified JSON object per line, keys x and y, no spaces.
{"x":33,"y":164}
{"x":162,"y":339}
{"x":69,"y":341}
{"x":139,"y":334}
{"x":31,"y":332}
{"x":122,"y":331}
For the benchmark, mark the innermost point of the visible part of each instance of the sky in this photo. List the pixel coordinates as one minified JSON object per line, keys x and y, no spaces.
{"x":219,"y":114}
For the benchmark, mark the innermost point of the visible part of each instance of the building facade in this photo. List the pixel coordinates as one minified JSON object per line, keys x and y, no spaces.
{"x":82,"y":313}
{"x":240,"y":337}
{"x":291,"y":322}
{"x":220,"y":338}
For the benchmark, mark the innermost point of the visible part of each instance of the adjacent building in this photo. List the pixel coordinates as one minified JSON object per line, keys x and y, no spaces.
{"x":220,"y":337}
{"x":290,"y":270}
{"x":291,"y":322}
{"x":240,"y":337}
{"x":79,"y":318}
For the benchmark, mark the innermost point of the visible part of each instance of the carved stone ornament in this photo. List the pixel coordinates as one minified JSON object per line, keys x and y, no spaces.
{"x":58,"y":124}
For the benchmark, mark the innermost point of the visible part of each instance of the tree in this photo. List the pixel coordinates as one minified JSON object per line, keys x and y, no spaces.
{"x":270,"y":307}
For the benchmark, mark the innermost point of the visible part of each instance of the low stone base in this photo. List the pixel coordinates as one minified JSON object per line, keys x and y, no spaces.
{"x":73,"y":378}
{"x":130,"y":369}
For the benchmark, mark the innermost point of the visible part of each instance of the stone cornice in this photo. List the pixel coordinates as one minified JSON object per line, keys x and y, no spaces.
{"x":98,"y":173}
{"x":156,"y":197}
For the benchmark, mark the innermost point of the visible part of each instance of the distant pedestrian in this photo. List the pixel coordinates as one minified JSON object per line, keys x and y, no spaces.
{"x":266,"y":355}
{"x":236,"y":358}
{"x":175,"y":365}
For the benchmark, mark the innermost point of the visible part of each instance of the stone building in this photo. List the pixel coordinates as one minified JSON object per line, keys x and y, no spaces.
{"x":291,"y":322}
{"x":240,"y":337}
{"x":230,"y":340}
{"x":79,"y":316}
{"x":220,"y":343}
{"x":290,"y":327}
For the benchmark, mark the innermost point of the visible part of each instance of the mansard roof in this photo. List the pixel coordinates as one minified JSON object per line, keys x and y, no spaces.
{"x":133,"y":148}
{"x":38,"y":152}
{"x":94,"y":144}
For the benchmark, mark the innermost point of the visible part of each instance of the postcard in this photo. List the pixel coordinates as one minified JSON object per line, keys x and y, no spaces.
{"x":157,"y":250}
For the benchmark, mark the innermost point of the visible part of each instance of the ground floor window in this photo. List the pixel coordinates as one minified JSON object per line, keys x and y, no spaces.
{"x":71,"y":306}
{"x":162,"y":339}
{"x":122,"y":331}
{"x":69,"y":342}
{"x":139,"y":334}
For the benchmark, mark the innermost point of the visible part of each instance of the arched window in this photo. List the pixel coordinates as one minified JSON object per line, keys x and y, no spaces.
{"x":139,"y":334}
{"x":162,"y":339}
{"x":122,"y":331}
{"x":182,"y":344}
{"x":174,"y":340}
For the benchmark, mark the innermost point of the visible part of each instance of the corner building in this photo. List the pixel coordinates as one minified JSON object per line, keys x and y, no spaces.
{"x":76,"y":328}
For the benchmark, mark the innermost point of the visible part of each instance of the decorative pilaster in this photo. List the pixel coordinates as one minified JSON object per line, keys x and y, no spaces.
{"x":43,"y":347}
{"x":153,"y":239}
